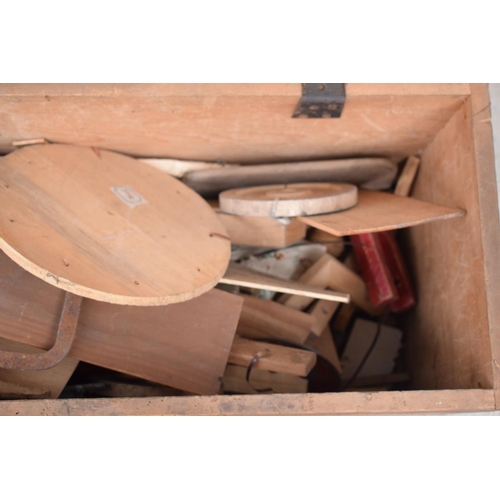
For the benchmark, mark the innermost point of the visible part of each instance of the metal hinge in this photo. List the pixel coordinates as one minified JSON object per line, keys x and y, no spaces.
{"x":321,"y":100}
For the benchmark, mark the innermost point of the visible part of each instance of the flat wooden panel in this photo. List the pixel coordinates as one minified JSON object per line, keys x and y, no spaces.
{"x":41,"y":383}
{"x":184,"y":345}
{"x":490,"y":227}
{"x":449,"y":332}
{"x":352,"y":403}
{"x":377,"y":211}
{"x":234,"y":123}
{"x":68,"y":219}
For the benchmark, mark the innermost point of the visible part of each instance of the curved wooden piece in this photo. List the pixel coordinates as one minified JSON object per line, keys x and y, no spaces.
{"x":283,"y":200}
{"x":101,"y":225}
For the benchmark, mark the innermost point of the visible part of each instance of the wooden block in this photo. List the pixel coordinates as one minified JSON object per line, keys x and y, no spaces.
{"x":184,"y":345}
{"x":334,"y":244}
{"x":99,"y":225}
{"x":322,"y":312}
{"x":266,"y":319}
{"x":318,"y":275}
{"x":239,"y":275}
{"x":45,"y":384}
{"x":262,"y":231}
{"x":344,"y":280}
{"x":377,"y":211}
{"x":371,"y":173}
{"x":344,"y":317}
{"x":234,"y":381}
{"x":275,"y":358}
{"x":407,"y":176}
{"x":325,"y":346}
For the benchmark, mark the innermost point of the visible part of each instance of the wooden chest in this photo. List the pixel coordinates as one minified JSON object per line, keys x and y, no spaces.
{"x":454,"y":333}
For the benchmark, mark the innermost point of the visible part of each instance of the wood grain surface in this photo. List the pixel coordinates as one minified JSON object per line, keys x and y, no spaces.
{"x":377,"y":211}
{"x":99,"y":225}
{"x":183,"y":345}
{"x":289,"y":200}
{"x":370,"y":173}
{"x":407,"y":176}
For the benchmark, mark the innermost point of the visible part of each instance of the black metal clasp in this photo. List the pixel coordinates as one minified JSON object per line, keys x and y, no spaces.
{"x":321,"y":100}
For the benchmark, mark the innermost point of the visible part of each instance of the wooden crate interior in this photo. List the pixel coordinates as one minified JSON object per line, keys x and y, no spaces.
{"x":448,"y":332}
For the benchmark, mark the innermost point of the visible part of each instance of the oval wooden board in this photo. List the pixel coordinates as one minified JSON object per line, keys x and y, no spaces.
{"x":100,"y":225}
{"x":289,"y":200}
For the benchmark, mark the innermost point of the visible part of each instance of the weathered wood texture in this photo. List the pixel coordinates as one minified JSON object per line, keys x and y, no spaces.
{"x":262,"y":319}
{"x":184,"y":345}
{"x":449,"y":332}
{"x":248,"y":123}
{"x":235,"y":381}
{"x":41,"y":383}
{"x":99,"y":225}
{"x":377,"y":211}
{"x":353,"y":403}
{"x":275,"y":358}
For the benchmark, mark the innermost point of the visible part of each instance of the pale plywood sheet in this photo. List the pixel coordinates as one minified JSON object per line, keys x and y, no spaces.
{"x":183,"y":345}
{"x":377,"y":211}
{"x":100,"y":225}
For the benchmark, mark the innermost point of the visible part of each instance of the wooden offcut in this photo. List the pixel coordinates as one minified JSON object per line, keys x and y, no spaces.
{"x":275,"y":358}
{"x":325,"y":346}
{"x":101,"y":225}
{"x":261,"y":319}
{"x":183,"y":345}
{"x":237,"y":274}
{"x":407,"y":177}
{"x":322,"y":312}
{"x":289,"y":200}
{"x":377,"y":211}
{"x":179,"y":168}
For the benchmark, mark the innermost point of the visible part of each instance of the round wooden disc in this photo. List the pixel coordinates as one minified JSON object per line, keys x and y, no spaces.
{"x":289,"y":200}
{"x":104,"y":226}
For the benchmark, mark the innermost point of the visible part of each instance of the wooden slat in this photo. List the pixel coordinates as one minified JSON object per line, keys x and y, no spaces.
{"x":449,"y":332}
{"x":274,"y":358}
{"x":240,"y":275}
{"x":184,"y":345}
{"x":334,"y":244}
{"x":377,"y":211}
{"x":67,"y":218}
{"x":179,"y":168}
{"x":353,"y":403}
{"x":235,"y":381}
{"x":325,"y":346}
{"x":262,"y":319}
{"x":43,"y":384}
{"x":407,"y":176}
{"x":249,"y":123}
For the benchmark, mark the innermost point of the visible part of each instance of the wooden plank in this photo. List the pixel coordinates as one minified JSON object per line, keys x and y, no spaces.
{"x":325,"y":346}
{"x":43,"y":384}
{"x":275,"y":358}
{"x":488,"y":213}
{"x":184,"y":345}
{"x":353,"y":403}
{"x":250,"y":123}
{"x":267,"y":319}
{"x":317,"y":275}
{"x":242,"y":276}
{"x":322,"y":311}
{"x":344,"y":317}
{"x":407,"y":177}
{"x":235,"y":381}
{"x":449,"y":258}
{"x":370,"y":173}
{"x":94,"y":224}
{"x":377,"y":211}
{"x":262,"y":231}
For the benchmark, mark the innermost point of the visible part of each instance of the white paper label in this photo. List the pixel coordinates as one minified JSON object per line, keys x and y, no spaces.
{"x":129,"y":196}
